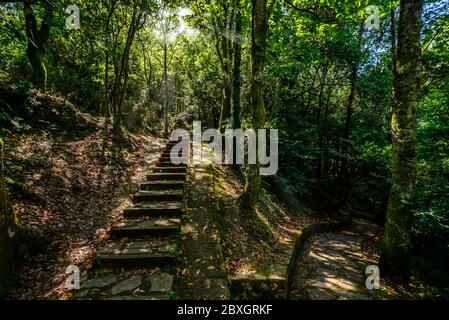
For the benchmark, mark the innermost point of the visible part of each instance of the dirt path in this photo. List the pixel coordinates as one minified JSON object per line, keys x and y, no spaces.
{"x":332,"y":265}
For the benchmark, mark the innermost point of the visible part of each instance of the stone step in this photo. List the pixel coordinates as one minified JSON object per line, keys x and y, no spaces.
{"x":171,"y":145}
{"x":174,"y":142}
{"x":153,"y":210}
{"x":127,"y":286}
{"x":162,"y":185}
{"x":167,"y":154}
{"x":168,"y":159}
{"x":157,"y":252}
{"x":155,"y":196}
{"x":170,"y":170}
{"x":133,"y":228}
{"x":136,"y":260}
{"x":168,"y":149}
{"x":170,"y":164}
{"x":140,"y":298}
{"x":166,"y":176}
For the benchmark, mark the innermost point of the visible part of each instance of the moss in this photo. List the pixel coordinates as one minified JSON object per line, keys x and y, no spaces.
{"x":173,"y":295}
{"x":262,"y":270}
{"x":16,"y":185}
{"x":101,"y":272}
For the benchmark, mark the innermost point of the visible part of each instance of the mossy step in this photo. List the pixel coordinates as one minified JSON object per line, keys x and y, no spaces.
{"x":154,"y":196}
{"x":153,"y":209}
{"x":170,"y":170}
{"x":146,"y":227}
{"x":157,"y":252}
{"x":162,"y":185}
{"x":166,"y":176}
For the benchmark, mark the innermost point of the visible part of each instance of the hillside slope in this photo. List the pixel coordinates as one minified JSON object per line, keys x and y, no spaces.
{"x":65,"y":187}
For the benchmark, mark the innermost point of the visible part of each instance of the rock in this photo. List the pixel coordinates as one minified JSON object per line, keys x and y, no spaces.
{"x":161,"y":282}
{"x":352,"y":296}
{"x":320,"y":294}
{"x":165,"y":249}
{"x":127,"y":285}
{"x":264,"y":286}
{"x":80,"y":294}
{"x":99,"y":282}
{"x":140,"y":298}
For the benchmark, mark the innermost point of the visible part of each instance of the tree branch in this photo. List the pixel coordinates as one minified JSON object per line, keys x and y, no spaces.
{"x":302,"y":9}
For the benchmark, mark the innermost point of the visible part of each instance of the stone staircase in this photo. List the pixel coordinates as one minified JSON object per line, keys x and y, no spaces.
{"x":142,"y":248}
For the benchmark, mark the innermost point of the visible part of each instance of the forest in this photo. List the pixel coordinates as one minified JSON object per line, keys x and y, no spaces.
{"x":354,"y":97}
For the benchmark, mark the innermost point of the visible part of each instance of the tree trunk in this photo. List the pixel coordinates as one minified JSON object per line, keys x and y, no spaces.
{"x":227,"y":85}
{"x":236,"y":82}
{"x":37,"y":41}
{"x":107,"y":109}
{"x":121,"y":77}
{"x":349,"y":106}
{"x":325,"y":134}
{"x":320,"y":133}
{"x":260,"y":16}
{"x":396,"y":254}
{"x":7,"y":224}
{"x":393,"y":64}
{"x":165,"y":91}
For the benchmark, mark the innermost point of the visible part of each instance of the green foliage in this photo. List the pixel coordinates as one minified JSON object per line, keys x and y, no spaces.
{"x":310,"y":55}
{"x":172,"y":295}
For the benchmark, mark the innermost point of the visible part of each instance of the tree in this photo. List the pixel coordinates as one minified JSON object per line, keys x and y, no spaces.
{"x":169,"y":21}
{"x":350,"y":104}
{"x":37,"y":40}
{"x":111,"y":6}
{"x":236,"y":82}
{"x":261,"y":12}
{"x":122,"y":68}
{"x":223,"y":29}
{"x":7,"y":225}
{"x":396,"y":253}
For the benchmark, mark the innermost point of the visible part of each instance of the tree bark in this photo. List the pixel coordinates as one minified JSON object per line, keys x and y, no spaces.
{"x":165,"y":90}
{"x":37,"y":41}
{"x":350,"y":104}
{"x":393,"y":64}
{"x":224,"y":48}
{"x":122,"y":72}
{"x":7,"y":223}
{"x":396,"y":253}
{"x":236,"y":82}
{"x":260,"y":17}
{"x":227,"y":85}
{"x":320,"y":133}
{"x":111,"y":10}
